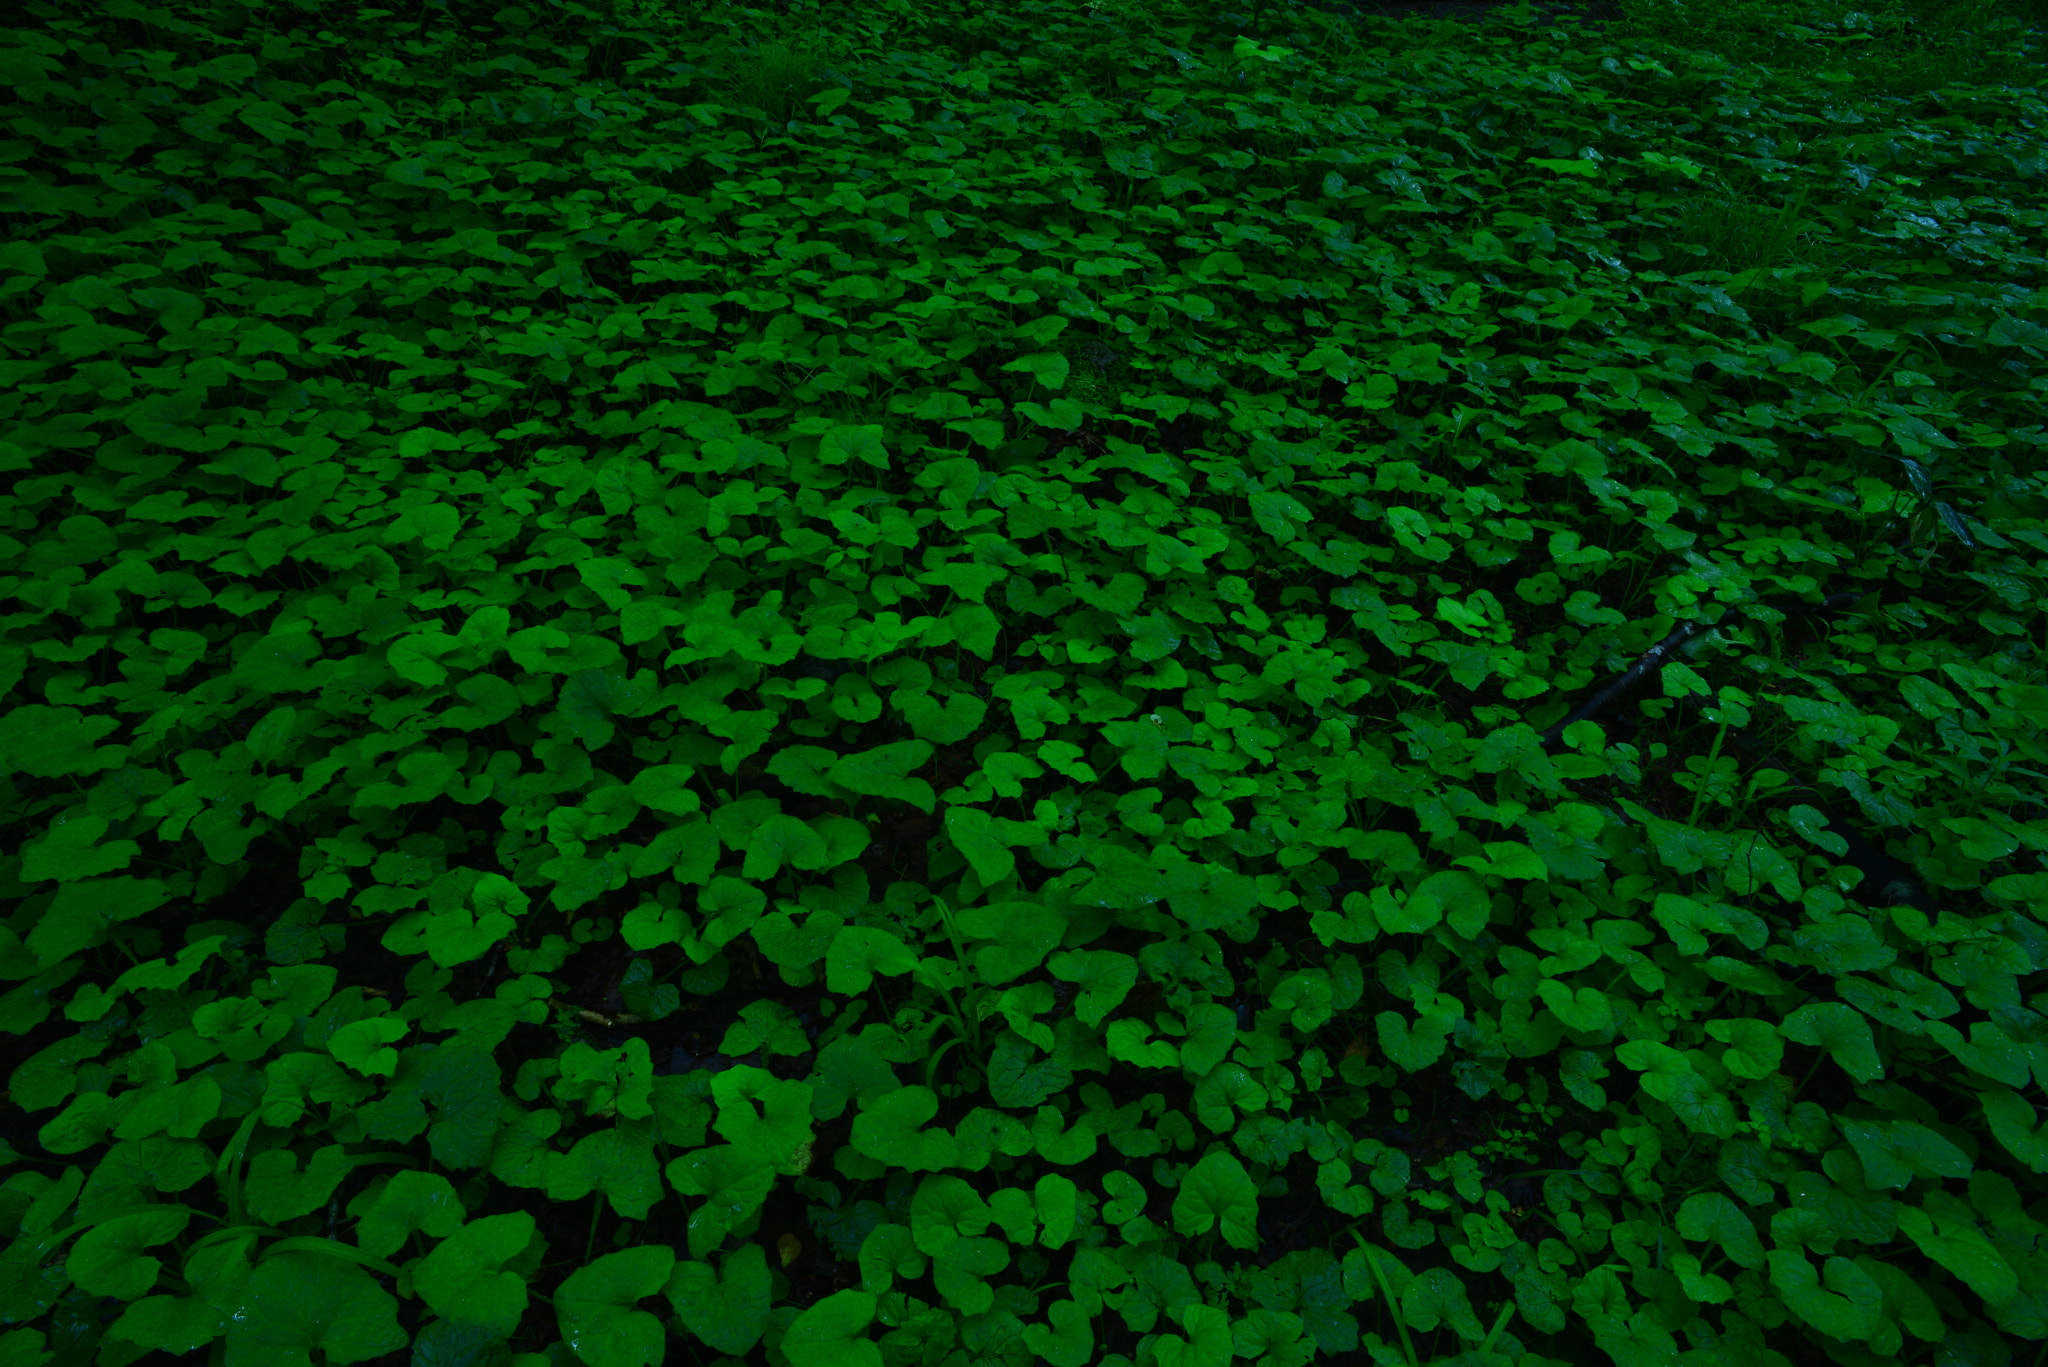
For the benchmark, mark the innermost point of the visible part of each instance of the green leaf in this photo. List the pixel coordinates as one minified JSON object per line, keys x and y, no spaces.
{"x":1842,"y":1301}
{"x":297,"y":1302}
{"x":832,"y":1333}
{"x":1012,"y":1210}
{"x":1755,"y":1048}
{"x":277,"y":1192}
{"x":1413,"y":1047}
{"x":1070,"y":1342}
{"x":1218,"y":1191}
{"x":736,"y":1179}
{"x":1843,"y":1031}
{"x":958,"y":1273}
{"x":944,"y":1209}
{"x":860,"y":952}
{"x":1127,"y":1042}
{"x":886,"y":1254}
{"x":891,"y":1130}
{"x":765,"y":1025}
{"x":463,"y":1277}
{"x":644,"y":997}
{"x":1207,"y":1343}
{"x":443,"y":1343}
{"x":360,"y":1044}
{"x":1894,"y":1152}
{"x":1056,"y":1199}
{"x":1212,"y":1033}
{"x":1586,"y":1010}
{"x":728,"y":1313}
{"x":1412,"y":914}
{"x":1956,"y":1244}
{"x":411,"y":1200}
{"x":1711,"y":1215}
{"x":1017,"y":1080}
{"x":1436,"y":1297}
{"x":618,"y":1162}
{"x":1700,"y":1285}
{"x":175,"y":1324}
{"x":108,"y":1259}
{"x":1306,"y":996}
{"x":781,"y":839}
{"x":2012,"y":1119}
{"x":885,"y":772}
{"x":1106,"y":978}
{"x":595,"y":1306}
{"x":783,"y":1133}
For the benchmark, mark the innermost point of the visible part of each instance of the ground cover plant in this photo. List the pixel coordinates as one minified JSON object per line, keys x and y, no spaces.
{"x":1112,"y":684}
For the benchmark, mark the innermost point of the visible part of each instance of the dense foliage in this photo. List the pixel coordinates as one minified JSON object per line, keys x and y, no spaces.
{"x":938,"y":685}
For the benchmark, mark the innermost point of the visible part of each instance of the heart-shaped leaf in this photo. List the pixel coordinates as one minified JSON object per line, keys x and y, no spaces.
{"x":729,"y":1312}
{"x":596,"y":1307}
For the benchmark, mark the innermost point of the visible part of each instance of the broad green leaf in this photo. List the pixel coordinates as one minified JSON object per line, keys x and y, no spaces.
{"x":1059,"y":1144}
{"x":444,"y":1343}
{"x":885,"y":772}
{"x":2012,"y":1122}
{"x":1710,"y":1215}
{"x":1056,"y":1198}
{"x":411,"y":1200}
{"x":765,"y":1025}
{"x":175,"y":1324}
{"x":464,"y":1276}
{"x":784,"y":839}
{"x":1306,"y":997}
{"x":1070,"y":1342}
{"x":1905,"y":1302}
{"x":108,"y":1259}
{"x":1106,"y":978}
{"x":1755,"y":1048}
{"x":1842,"y":1301}
{"x":1417,"y":1046}
{"x":729,"y":1311}
{"x":860,"y":952}
{"x":1412,"y":914}
{"x":783,"y":1135}
{"x":886,"y":1254}
{"x":1207,"y":1343}
{"x":1894,"y":1152}
{"x":890,"y":1131}
{"x":618,"y":1162}
{"x":1128,"y":1041}
{"x":1212,"y":1034}
{"x":595,"y":1306}
{"x":1218,"y":1191}
{"x":361,"y":1045}
{"x":449,"y":937}
{"x":1957,"y":1245}
{"x":1018,"y":1079}
{"x":737,"y":1180}
{"x":943,"y":1210}
{"x":959,"y":1273}
{"x":1586,"y":1010}
{"x":1706,"y":1287}
{"x":278,"y":1193}
{"x":1843,"y":1031}
{"x":1437,"y":1297}
{"x":1126,"y":1196}
{"x":297,"y":1302}
{"x":832,"y":1333}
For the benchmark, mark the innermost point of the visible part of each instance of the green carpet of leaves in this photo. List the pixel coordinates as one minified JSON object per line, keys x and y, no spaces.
{"x":1054,"y":530}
